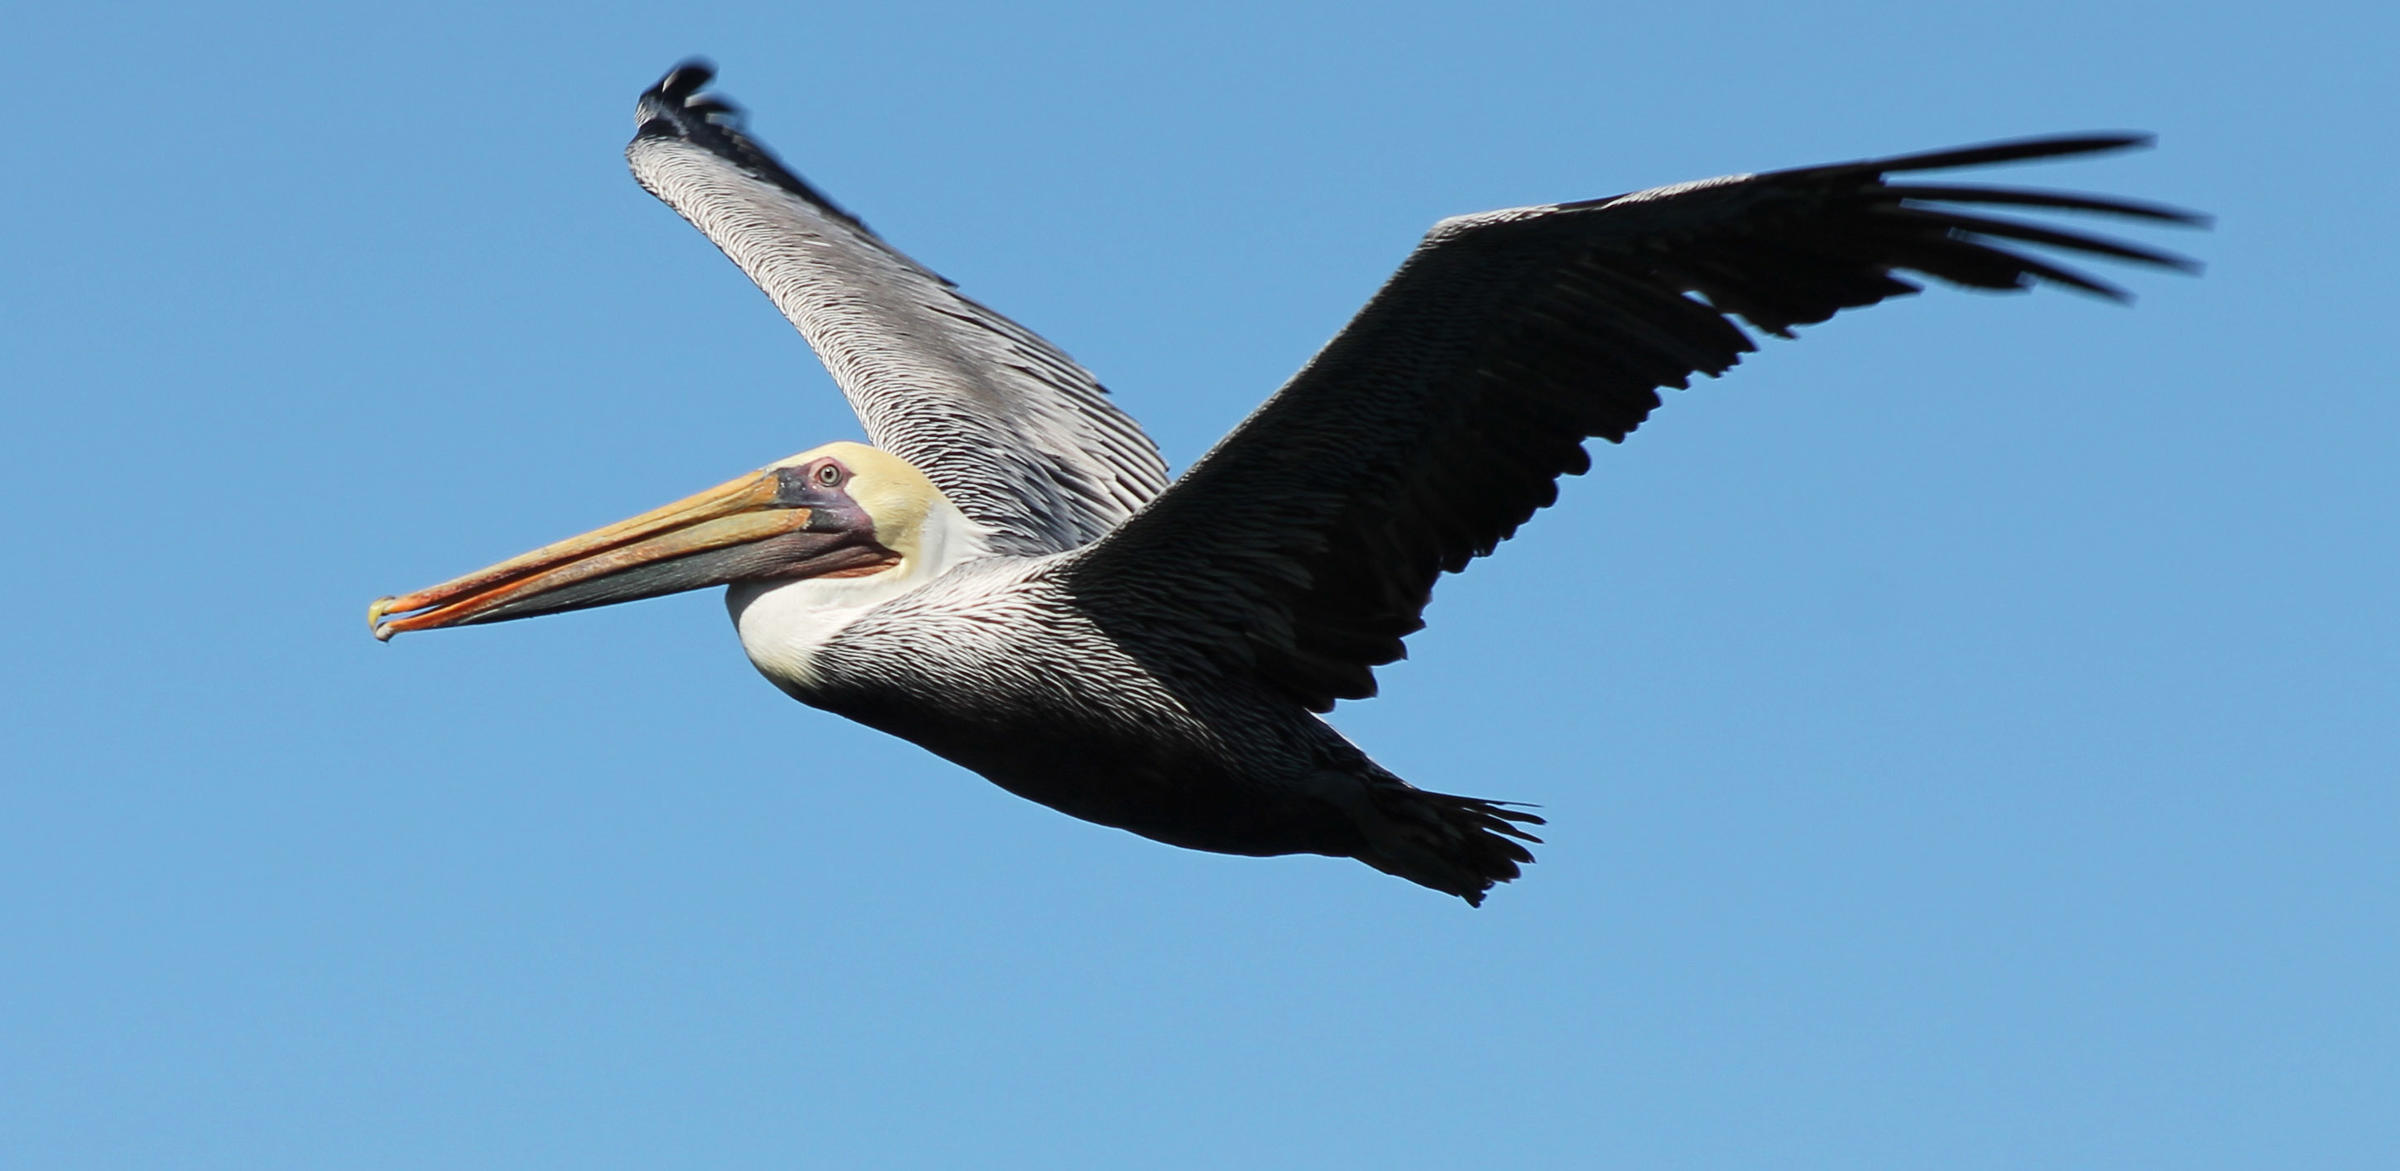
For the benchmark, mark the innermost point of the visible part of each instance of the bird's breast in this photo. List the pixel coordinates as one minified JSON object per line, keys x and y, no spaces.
{"x":785,"y":626}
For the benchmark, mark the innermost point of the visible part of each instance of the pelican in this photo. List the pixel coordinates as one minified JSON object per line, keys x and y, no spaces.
{"x":1007,"y":578}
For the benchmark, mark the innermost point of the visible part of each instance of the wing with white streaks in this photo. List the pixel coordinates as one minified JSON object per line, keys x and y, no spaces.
{"x":1021,"y":438}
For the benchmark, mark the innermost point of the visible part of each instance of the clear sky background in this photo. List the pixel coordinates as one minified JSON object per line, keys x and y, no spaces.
{"x":1968,"y":733}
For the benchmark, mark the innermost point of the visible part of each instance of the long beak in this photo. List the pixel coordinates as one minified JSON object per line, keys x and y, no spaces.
{"x":742,"y":528}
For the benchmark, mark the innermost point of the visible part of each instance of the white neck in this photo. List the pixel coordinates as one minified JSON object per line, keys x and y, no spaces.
{"x":784,"y":623}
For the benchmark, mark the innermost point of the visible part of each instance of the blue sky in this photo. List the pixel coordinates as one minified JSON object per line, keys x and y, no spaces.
{"x":1967,"y":733}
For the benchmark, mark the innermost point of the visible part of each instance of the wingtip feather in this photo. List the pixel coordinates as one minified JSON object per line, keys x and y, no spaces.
{"x":688,"y":77}
{"x":2018,"y":149}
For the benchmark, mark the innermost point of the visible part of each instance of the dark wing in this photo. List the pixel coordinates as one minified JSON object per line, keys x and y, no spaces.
{"x":1305,"y":546}
{"x":1021,"y":438}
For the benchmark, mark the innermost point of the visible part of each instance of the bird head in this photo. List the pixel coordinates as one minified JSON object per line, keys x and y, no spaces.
{"x":844,"y":510}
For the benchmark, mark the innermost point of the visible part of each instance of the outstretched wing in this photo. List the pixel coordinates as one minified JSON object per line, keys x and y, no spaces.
{"x":1305,"y":546}
{"x":1021,"y":438}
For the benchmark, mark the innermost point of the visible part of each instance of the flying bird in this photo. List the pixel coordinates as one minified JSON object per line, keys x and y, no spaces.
{"x":1007,"y":578}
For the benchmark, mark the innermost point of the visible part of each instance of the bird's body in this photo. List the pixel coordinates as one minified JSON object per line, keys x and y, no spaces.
{"x":966,"y":668}
{"x":1006,"y":579}
{"x":992,"y":663}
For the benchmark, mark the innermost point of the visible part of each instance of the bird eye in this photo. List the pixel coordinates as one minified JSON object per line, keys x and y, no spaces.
{"x":829,"y":474}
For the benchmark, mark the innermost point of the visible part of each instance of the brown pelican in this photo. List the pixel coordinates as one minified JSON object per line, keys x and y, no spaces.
{"x":1007,"y":579}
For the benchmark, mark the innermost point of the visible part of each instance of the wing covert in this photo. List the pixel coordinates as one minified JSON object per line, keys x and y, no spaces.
{"x":1021,"y":438}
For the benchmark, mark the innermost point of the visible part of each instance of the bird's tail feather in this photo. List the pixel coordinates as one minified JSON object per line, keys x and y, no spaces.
{"x":1457,"y":845}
